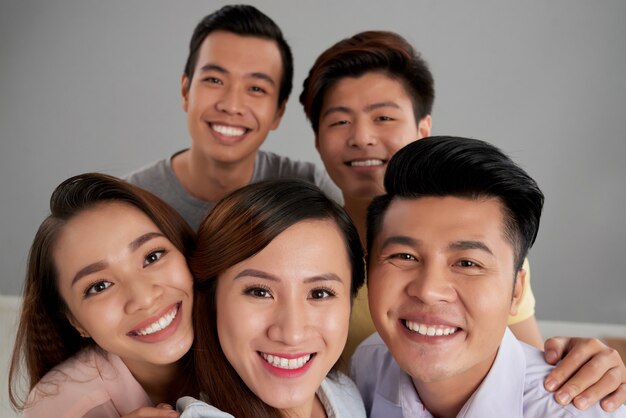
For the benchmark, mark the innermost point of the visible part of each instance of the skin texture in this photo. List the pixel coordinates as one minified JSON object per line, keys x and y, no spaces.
{"x":368,"y":118}
{"x":291,"y":299}
{"x":590,"y":371}
{"x":135,"y":276}
{"x":231,"y":104}
{"x":443,"y":263}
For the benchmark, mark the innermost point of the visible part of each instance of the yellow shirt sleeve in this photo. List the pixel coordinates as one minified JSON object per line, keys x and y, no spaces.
{"x":361,"y":325}
{"x":526,"y":307}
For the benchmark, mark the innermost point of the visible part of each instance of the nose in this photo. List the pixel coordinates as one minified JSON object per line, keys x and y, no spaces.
{"x":431,"y":285}
{"x":362,"y":135}
{"x":231,"y":101}
{"x":142,"y":293}
{"x":290,"y":323}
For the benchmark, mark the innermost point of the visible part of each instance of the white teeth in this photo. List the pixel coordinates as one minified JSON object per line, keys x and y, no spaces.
{"x":159,"y":324}
{"x":366,"y":163}
{"x":429,"y":330}
{"x":228,"y":130}
{"x":284,"y":363}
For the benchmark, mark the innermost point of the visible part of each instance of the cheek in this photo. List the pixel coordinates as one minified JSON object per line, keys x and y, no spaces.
{"x":488,"y":303}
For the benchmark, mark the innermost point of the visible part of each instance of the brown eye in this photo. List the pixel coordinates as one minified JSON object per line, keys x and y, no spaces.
{"x":153,"y":257}
{"x":98,"y":287}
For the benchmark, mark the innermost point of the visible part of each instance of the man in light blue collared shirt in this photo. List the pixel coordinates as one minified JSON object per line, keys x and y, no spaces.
{"x":445,"y":250}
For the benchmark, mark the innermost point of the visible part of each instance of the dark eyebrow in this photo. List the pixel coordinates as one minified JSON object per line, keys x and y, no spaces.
{"x":266,"y":276}
{"x":379,"y":105}
{"x":264,"y":77}
{"x":256,"y":273}
{"x":336,"y":109}
{"x":213,"y":67}
{"x":101,"y":265}
{"x":139,"y":241}
{"x":400,"y":240}
{"x":368,"y":108}
{"x":222,"y":70}
{"x":90,"y":269}
{"x":323,"y":278}
{"x":470,"y":245}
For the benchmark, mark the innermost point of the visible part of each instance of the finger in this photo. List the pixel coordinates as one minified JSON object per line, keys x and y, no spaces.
{"x":613,"y":401}
{"x":600,"y":376}
{"x":553,"y":349}
{"x":165,"y":406}
{"x":566,"y":368}
{"x":608,"y":384}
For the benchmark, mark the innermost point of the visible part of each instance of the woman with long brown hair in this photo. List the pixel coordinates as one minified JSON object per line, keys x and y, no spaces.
{"x":106,"y":321}
{"x":276,"y":266}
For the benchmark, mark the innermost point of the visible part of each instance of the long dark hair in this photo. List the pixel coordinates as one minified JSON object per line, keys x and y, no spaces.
{"x":45,"y":337}
{"x":240,"y":226}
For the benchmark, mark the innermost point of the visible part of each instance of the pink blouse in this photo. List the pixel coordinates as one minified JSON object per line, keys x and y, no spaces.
{"x":92,"y":383}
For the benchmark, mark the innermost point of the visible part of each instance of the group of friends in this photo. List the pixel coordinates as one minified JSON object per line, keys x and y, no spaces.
{"x":227,"y":281}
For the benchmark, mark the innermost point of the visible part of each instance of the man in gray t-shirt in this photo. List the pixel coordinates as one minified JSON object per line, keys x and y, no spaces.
{"x":235,"y":87}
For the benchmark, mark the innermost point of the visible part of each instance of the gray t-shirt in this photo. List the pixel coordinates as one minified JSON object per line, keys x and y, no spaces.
{"x":159,"y":178}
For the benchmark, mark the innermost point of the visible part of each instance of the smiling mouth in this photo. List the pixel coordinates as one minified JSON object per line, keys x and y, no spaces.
{"x":226,"y":130}
{"x":158,"y":325}
{"x":287,"y":363}
{"x":429,"y":330}
{"x":366,"y":163}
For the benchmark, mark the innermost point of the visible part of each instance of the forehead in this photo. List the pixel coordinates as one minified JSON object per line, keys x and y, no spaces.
{"x":369,"y":88}
{"x":98,"y":231}
{"x":438,"y":221}
{"x":241,"y":54}
{"x":304,"y":249}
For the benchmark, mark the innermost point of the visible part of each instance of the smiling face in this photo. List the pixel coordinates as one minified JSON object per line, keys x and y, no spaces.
{"x":232,"y":100}
{"x":363,"y":122}
{"x":283,"y":314}
{"x":125,"y":285}
{"x":440,"y":284}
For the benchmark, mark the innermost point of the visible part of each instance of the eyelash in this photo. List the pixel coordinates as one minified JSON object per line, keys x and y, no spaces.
{"x":87,"y":293}
{"x":257,"y":287}
{"x":212,"y":80}
{"x":403,"y":257}
{"x":161,"y":251}
{"x":330,"y":292}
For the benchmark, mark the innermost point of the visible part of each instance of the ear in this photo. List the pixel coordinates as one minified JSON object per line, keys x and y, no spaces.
{"x":518,"y":291}
{"x":77,"y":326}
{"x":184,"y":91}
{"x":423,"y":128}
{"x":279,"y":115}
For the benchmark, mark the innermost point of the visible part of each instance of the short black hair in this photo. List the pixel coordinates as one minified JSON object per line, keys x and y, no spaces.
{"x":244,"y":20}
{"x":383,"y":52}
{"x":467,"y":168}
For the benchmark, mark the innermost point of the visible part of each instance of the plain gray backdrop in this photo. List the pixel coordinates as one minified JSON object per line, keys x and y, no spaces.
{"x":90,"y":85}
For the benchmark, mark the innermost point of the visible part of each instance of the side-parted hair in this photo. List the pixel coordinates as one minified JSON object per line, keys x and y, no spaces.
{"x":366,"y":52}
{"x":45,"y":337}
{"x":243,"y":20}
{"x":467,"y":168}
{"x":241,"y":225}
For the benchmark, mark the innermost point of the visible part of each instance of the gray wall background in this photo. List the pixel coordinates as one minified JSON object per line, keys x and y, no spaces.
{"x":91,"y":85}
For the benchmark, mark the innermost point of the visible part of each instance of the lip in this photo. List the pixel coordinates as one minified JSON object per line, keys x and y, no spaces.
{"x":163,"y":334}
{"x":287,"y":373}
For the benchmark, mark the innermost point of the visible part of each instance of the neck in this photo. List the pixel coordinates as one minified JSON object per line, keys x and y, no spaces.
{"x":446,"y":398}
{"x":357,"y":210}
{"x":210,"y":180}
{"x":161,"y":382}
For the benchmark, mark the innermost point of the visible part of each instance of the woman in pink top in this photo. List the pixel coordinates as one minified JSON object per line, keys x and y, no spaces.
{"x":106,"y":321}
